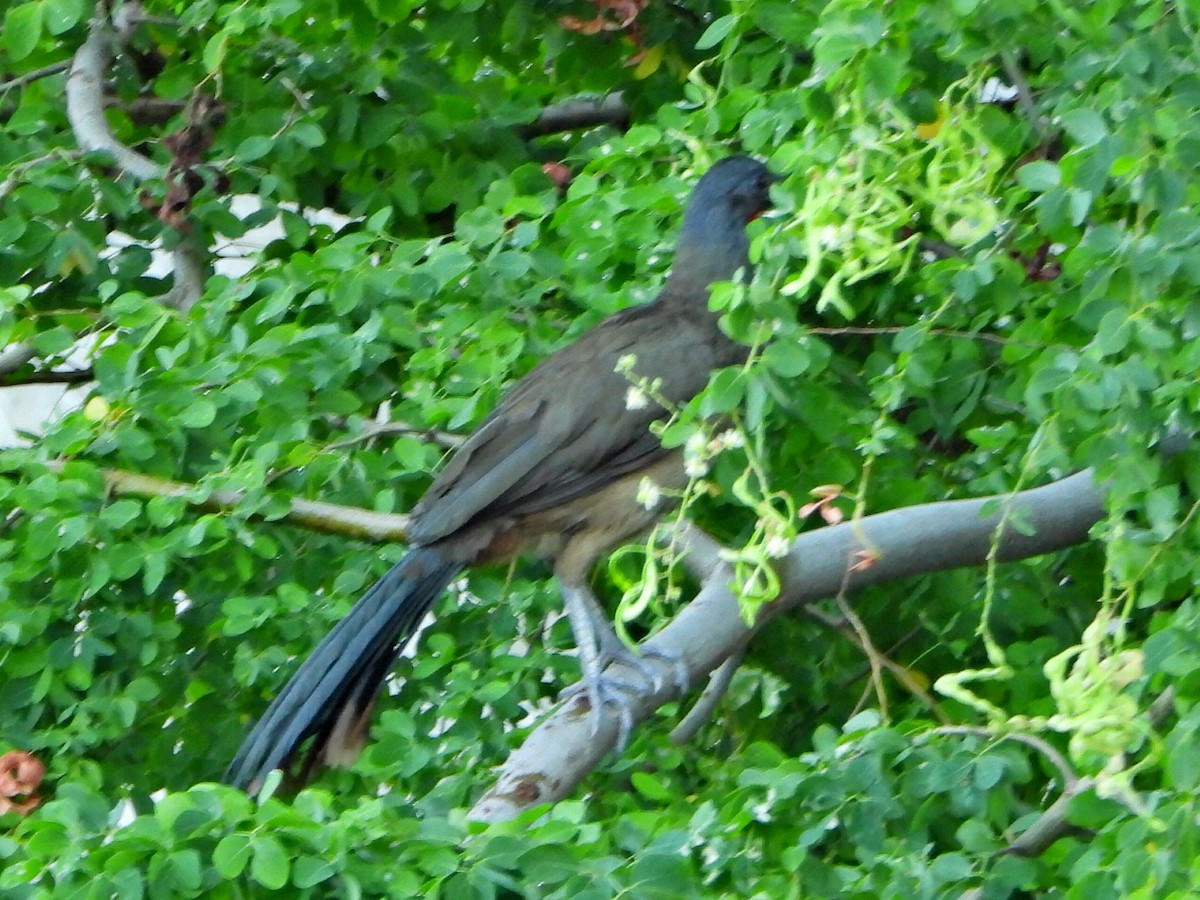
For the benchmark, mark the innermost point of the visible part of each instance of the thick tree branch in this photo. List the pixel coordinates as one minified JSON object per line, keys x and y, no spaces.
{"x":14,"y":356}
{"x":579,"y":113}
{"x":562,"y":750}
{"x":85,"y":112}
{"x":85,"y":103}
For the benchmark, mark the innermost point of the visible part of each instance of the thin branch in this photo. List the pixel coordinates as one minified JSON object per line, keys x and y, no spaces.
{"x":72,"y":376}
{"x":877,"y":660}
{"x":328,"y":518}
{"x":938,"y":249}
{"x":444,"y":439}
{"x":579,"y":113}
{"x":1053,"y":824}
{"x":862,"y":638}
{"x":703,"y":709}
{"x":868,"y":331}
{"x":1065,"y":772}
{"x":190,"y":271}
{"x":45,"y":71}
{"x":1050,"y":825}
{"x":148,"y":110}
{"x":85,"y":111}
{"x":1024,"y":94}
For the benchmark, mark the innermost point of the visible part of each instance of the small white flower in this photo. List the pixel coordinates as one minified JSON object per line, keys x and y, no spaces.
{"x":827,"y":237}
{"x":635,"y":398}
{"x":777,"y":547}
{"x":695,"y":456}
{"x":731,"y":439}
{"x":649,"y":495}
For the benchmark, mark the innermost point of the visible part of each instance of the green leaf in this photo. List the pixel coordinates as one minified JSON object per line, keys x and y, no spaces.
{"x":651,"y":787}
{"x":269,"y":866}
{"x":308,"y":134}
{"x":254,"y":147}
{"x":62,"y":15}
{"x":1085,"y":126}
{"x":199,"y":413}
{"x":231,"y":854}
{"x":54,"y":341}
{"x":214,"y":51}
{"x":1114,"y":331}
{"x":121,"y":512}
{"x":22,"y":29}
{"x":1039,"y":176}
{"x":310,"y":870}
{"x":724,"y":392}
{"x":989,"y":769}
{"x":786,"y":358}
{"x":716,"y":32}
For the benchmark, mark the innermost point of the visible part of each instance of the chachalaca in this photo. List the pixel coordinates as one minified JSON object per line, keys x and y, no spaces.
{"x":555,"y":470}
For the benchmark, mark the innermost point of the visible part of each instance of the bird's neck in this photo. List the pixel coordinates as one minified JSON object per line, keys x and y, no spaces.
{"x":712,"y":247}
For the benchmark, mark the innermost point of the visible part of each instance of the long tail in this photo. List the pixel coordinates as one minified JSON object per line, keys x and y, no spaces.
{"x":331,"y":695}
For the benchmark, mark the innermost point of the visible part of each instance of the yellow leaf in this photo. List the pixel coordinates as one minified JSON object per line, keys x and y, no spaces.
{"x":651,"y":60}
{"x":919,"y":678}
{"x":96,"y":409}
{"x":927,"y":131}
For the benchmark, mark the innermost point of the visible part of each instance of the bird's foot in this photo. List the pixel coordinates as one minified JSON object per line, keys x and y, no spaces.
{"x":607,"y":691}
{"x":613,"y":649}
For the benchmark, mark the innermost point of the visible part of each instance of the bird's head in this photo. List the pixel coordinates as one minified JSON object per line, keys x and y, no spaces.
{"x":737,"y":186}
{"x":712,"y":243}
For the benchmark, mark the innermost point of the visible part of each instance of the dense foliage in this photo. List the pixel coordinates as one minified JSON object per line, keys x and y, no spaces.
{"x":982,"y":276}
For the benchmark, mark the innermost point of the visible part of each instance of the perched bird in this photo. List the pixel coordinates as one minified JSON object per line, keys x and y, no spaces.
{"x":555,"y":471}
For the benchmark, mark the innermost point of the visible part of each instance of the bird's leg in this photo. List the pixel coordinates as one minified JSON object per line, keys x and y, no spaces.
{"x":600,"y":690}
{"x":616,"y":650}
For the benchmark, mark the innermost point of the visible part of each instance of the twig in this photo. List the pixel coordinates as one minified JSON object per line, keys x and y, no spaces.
{"x":865,"y":644}
{"x":53,"y":69}
{"x":876,"y":659}
{"x":72,"y":376}
{"x":18,"y":171}
{"x":1056,"y":759}
{"x":868,"y":331}
{"x":439,"y":438}
{"x":328,"y":518}
{"x":445,"y":439}
{"x":1024,"y":94}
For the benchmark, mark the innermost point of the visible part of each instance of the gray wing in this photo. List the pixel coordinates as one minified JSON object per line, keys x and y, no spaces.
{"x":565,"y":430}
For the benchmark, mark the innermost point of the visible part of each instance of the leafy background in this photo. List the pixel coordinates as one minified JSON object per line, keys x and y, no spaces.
{"x":982,"y":276}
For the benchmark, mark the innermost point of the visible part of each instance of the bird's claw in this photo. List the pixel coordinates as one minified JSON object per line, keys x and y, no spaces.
{"x":606,"y":691}
{"x":640,"y":661}
{"x":674,"y":662}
